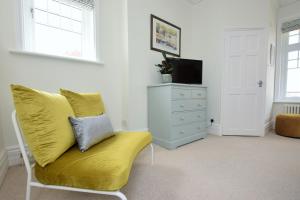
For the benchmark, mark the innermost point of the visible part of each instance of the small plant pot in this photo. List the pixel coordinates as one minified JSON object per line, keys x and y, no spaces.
{"x":166,"y":78}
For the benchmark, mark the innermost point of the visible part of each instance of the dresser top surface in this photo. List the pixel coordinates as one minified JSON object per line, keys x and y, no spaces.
{"x":177,"y":85}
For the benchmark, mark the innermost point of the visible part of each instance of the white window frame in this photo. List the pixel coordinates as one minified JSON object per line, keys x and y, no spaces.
{"x":282,"y":69}
{"x":24,"y":45}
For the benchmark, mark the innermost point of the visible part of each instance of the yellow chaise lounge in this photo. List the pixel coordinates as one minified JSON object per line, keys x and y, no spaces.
{"x":103,"y":169}
{"x":42,"y":118}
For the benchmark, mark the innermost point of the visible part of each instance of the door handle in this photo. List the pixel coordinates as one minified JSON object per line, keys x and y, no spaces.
{"x":260,"y":83}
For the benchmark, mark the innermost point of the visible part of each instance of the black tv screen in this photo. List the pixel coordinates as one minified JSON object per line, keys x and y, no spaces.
{"x":186,"y":71}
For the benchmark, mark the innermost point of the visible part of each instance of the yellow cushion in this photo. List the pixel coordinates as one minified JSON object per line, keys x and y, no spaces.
{"x":106,"y":166}
{"x":84,"y":104}
{"x":43,"y":118}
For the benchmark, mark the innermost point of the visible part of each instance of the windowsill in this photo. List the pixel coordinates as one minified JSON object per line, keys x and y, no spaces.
{"x":287,"y":101}
{"x":30,"y":53}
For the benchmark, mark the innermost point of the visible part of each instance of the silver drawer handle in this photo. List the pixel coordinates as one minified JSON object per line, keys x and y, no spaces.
{"x":181,"y":106}
{"x":199,"y":94}
{"x":182,"y":119}
{"x":181,"y":132}
{"x":181,"y":94}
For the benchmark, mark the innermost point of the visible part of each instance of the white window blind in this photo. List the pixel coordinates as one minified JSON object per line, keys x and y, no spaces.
{"x":90,"y":4}
{"x":290,"y":26}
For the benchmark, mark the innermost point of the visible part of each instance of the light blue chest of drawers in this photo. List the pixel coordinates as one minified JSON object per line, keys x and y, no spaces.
{"x":177,"y":114}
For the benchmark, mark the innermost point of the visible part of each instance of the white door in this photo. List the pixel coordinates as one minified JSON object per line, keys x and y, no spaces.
{"x":243,"y":83}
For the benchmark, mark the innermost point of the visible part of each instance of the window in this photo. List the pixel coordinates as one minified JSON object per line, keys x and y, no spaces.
{"x":60,"y":27}
{"x":290,"y":66}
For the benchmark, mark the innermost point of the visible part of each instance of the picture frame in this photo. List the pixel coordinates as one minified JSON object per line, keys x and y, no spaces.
{"x":165,"y":37}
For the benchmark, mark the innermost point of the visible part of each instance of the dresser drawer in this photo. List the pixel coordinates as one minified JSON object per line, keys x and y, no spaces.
{"x":198,"y":127}
{"x":180,"y":105}
{"x":181,"y":131}
{"x":188,"y":105}
{"x":181,"y":93}
{"x":179,"y":118}
{"x":199,"y":93}
{"x":187,"y":130}
{"x":197,"y":104}
{"x":198,"y":116}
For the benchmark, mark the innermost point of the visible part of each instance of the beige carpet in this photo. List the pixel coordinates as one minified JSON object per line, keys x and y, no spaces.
{"x":217,"y":168}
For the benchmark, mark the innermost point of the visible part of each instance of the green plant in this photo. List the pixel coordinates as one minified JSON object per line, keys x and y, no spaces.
{"x":165,"y":67}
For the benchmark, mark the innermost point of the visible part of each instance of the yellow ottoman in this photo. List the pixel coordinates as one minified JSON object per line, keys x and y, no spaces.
{"x":288,"y":125}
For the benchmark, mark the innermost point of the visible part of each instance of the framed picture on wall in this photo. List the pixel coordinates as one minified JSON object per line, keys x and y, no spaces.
{"x":165,"y":37}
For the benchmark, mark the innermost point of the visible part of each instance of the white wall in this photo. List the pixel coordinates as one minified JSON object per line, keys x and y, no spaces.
{"x":51,"y":74}
{"x":211,"y":19}
{"x":3,"y":158}
{"x":270,"y":79}
{"x":141,"y":59}
{"x":2,"y":145}
{"x":203,"y":27}
{"x":289,"y":11}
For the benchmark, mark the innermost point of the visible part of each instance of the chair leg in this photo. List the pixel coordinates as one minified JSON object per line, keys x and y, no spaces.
{"x":121,"y":195}
{"x":28,"y":189}
{"x":152,"y":154}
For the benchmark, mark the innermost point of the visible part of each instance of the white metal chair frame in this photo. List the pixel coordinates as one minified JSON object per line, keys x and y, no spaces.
{"x":31,"y":183}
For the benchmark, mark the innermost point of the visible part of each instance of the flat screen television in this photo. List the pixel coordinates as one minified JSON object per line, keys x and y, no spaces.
{"x":186,"y":71}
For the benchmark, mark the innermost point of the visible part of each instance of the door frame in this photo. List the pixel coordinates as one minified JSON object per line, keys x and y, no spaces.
{"x":263,"y":76}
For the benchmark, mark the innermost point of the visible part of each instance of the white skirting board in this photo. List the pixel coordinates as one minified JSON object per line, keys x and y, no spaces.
{"x":269,"y":126}
{"x":3,"y":165}
{"x":215,"y":129}
{"x":14,"y":155}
